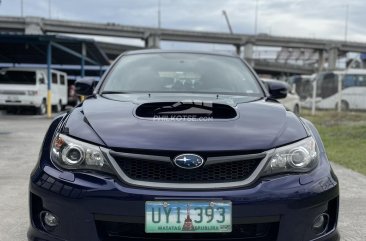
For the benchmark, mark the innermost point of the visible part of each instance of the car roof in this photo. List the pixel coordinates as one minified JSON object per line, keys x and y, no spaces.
{"x":152,"y":51}
{"x":351,"y":71}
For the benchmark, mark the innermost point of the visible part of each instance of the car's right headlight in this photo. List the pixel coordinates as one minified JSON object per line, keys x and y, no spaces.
{"x":301,"y":156}
{"x":72,"y":154}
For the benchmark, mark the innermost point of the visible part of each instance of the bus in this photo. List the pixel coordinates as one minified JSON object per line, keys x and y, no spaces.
{"x":352,"y":86}
{"x":27,"y":88}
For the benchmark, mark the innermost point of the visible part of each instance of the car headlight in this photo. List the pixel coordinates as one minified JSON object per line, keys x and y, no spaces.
{"x":70,"y":153}
{"x":301,"y":156}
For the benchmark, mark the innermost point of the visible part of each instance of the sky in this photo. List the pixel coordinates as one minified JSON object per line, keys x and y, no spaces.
{"x":294,"y":18}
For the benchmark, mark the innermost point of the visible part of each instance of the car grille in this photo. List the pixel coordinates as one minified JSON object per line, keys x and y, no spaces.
{"x":118,"y":231}
{"x":223,"y":170}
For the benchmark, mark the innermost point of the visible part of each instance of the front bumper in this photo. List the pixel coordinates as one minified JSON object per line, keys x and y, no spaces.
{"x":23,"y":101}
{"x":95,"y":207}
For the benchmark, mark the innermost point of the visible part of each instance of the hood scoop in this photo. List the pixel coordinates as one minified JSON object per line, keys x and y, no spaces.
{"x":184,"y":110}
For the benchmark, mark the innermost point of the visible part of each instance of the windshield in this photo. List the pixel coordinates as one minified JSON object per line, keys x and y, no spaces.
{"x":18,"y":77}
{"x":182,"y":72}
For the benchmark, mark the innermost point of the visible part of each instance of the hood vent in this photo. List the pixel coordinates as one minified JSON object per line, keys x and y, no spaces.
{"x":184,"y":110}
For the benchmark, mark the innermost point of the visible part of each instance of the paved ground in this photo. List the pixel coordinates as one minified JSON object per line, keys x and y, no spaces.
{"x":21,"y":137}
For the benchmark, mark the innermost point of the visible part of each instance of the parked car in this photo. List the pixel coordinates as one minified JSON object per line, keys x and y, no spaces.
{"x":292,"y":100}
{"x":182,"y":146}
{"x":302,"y":85}
{"x":27,"y":87}
{"x":73,"y":98}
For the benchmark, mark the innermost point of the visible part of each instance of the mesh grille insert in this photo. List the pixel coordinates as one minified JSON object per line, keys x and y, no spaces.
{"x":159,"y":171}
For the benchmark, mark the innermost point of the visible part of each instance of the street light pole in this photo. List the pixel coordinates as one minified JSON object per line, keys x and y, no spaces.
{"x":256,"y":17}
{"x":49,"y":8}
{"x":159,"y":14}
{"x":346,"y":23}
{"x":21,"y":8}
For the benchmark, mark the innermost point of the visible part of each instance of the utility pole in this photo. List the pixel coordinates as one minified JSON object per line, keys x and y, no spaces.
{"x":227,"y":21}
{"x":49,"y":8}
{"x":346,"y":23}
{"x":256,"y":18}
{"x":21,"y":8}
{"x":159,"y":14}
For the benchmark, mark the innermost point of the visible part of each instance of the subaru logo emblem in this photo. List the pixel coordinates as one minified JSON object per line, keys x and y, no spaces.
{"x":188,"y":161}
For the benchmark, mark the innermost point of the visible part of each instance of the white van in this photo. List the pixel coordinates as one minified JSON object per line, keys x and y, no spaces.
{"x":27,"y":87}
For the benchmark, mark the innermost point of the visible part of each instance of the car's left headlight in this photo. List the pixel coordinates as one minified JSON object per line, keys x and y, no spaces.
{"x":69,"y":153}
{"x":301,"y":156}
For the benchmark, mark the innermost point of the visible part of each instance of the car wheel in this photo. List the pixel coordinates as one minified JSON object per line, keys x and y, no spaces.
{"x":297,"y":110}
{"x":344,"y":106}
{"x":42,"y":109}
{"x":13,"y":110}
{"x":58,"y":107}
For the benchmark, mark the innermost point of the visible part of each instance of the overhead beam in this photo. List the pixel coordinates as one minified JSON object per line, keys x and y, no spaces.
{"x":19,"y":24}
{"x":74,"y":53}
{"x":263,"y":66}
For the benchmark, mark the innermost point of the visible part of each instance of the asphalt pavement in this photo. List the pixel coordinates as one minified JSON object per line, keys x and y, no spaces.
{"x":21,"y":137}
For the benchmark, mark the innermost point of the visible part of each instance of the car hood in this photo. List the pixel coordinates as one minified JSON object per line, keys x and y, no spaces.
{"x":259,"y":125}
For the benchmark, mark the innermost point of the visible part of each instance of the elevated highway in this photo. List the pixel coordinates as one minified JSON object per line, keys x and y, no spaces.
{"x":262,"y":66}
{"x":152,"y":37}
{"x":41,"y":25}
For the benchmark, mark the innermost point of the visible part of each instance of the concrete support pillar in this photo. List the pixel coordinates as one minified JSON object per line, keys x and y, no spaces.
{"x":82,"y":62}
{"x":248,"y":53}
{"x":321,"y":61}
{"x":238,"y":49}
{"x":152,"y":41}
{"x":33,"y":25}
{"x":332,"y":58}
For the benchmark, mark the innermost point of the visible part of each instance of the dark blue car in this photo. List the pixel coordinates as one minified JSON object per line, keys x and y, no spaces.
{"x":182,"y":146}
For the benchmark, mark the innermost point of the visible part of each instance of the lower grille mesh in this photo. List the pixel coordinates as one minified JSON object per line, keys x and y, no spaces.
{"x":111,"y":231}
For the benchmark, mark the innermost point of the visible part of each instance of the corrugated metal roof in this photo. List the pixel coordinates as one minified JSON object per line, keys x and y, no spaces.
{"x":19,"y":48}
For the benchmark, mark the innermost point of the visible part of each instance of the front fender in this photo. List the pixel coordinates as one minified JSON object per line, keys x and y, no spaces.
{"x":45,"y":147}
{"x":311,"y":129}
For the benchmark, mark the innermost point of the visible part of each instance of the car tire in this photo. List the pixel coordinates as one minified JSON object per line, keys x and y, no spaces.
{"x":297,"y":110}
{"x":42,"y":109}
{"x":344,"y":106}
{"x":58,"y":107}
{"x":12,"y":111}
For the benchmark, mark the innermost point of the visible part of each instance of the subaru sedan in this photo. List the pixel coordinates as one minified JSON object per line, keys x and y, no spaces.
{"x":179,"y":145}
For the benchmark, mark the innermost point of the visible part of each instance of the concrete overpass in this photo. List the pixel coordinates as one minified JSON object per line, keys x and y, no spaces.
{"x":262,"y":66}
{"x":153,"y":36}
{"x":274,"y":68}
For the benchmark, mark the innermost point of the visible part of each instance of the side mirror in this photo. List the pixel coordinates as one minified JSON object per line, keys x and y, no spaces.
{"x":277,"y":90}
{"x":85,"y":87}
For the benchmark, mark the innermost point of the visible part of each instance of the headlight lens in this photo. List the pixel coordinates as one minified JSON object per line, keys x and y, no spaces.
{"x":298,"y":157}
{"x":74,"y":154}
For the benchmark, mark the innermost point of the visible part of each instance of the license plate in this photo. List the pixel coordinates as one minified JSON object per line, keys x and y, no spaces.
{"x":188,"y":217}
